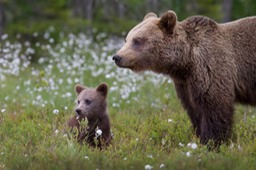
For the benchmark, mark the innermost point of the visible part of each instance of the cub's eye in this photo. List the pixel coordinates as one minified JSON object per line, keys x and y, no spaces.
{"x":78,"y":102}
{"x":88,"y":102}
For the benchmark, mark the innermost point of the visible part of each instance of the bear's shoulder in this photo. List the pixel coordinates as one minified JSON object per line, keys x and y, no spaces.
{"x":199,"y":23}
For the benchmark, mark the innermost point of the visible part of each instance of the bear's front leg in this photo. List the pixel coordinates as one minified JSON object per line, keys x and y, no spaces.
{"x":183,"y":95}
{"x":216,"y":117}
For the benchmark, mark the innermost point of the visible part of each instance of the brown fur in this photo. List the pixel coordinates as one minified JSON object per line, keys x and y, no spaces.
{"x":212,"y":65}
{"x":92,"y":104}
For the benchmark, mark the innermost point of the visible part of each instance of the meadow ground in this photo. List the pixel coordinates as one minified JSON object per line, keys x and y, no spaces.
{"x":151,"y":130}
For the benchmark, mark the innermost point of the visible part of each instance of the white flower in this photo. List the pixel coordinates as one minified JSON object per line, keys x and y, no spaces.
{"x":2,"y":110}
{"x":188,"y":154}
{"x":98,"y":132}
{"x":239,"y":147}
{"x":148,"y":167}
{"x":170,"y":120}
{"x":86,"y":157}
{"x":193,"y":145}
{"x":150,"y":156}
{"x":56,"y":131}
{"x":181,"y":144}
{"x":55,"y":111}
{"x":5,"y":36}
{"x":162,"y":166}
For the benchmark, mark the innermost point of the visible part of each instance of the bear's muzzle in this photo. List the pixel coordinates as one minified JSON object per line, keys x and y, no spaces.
{"x":117,"y":59}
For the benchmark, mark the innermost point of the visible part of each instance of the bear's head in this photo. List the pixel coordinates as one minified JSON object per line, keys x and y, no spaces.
{"x":91,"y":102}
{"x":151,"y":44}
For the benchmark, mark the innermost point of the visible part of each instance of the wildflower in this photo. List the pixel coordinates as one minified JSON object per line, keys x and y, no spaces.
{"x":46,"y":35}
{"x":56,"y":131}
{"x":39,"y":97}
{"x":148,"y":167}
{"x":193,"y":145}
{"x":35,"y":34}
{"x":55,"y":111}
{"x":181,"y":144}
{"x":239,"y":147}
{"x":3,"y":110}
{"x":188,"y":154}
{"x":51,"y":40}
{"x":150,"y":156}
{"x":18,"y":87}
{"x":5,"y":36}
{"x":98,"y":132}
{"x":162,"y":166}
{"x":86,"y":157}
{"x":170,"y":120}
{"x":125,"y":158}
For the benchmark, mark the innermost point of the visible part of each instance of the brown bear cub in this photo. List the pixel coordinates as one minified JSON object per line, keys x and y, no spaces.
{"x":212,"y":65}
{"x":92,"y":104}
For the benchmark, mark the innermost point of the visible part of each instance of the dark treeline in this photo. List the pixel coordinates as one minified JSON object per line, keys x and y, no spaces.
{"x":111,"y":16}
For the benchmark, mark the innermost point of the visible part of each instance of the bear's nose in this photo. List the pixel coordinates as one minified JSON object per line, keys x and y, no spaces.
{"x":117,"y":59}
{"x":78,"y":111}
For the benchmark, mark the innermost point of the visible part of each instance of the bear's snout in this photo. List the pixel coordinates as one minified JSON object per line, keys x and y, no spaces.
{"x":78,"y":112}
{"x":117,"y":59}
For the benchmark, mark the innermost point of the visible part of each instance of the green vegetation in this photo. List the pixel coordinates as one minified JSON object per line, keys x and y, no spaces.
{"x":151,"y":130}
{"x":112,"y":16}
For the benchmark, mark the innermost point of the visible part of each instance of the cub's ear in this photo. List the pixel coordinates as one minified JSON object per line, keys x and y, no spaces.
{"x":103,"y":89}
{"x":150,"y":15}
{"x":79,"y":88}
{"x":167,"y":22}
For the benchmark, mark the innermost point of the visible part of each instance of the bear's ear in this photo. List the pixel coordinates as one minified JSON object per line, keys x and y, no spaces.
{"x":167,"y":22}
{"x":79,"y":88}
{"x":103,"y":89}
{"x":150,"y":15}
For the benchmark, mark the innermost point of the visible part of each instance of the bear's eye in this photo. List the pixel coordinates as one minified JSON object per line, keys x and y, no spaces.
{"x":88,"y":102}
{"x":136,"y":42}
{"x":78,"y":102}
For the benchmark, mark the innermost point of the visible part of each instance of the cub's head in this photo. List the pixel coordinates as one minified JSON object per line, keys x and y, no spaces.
{"x":91,"y":102}
{"x":142,"y":48}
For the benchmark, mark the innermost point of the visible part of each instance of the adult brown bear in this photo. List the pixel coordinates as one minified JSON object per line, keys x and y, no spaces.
{"x":212,"y":65}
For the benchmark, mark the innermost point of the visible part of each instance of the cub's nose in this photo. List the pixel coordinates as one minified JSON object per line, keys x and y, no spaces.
{"x":78,"y":111}
{"x":117,"y":59}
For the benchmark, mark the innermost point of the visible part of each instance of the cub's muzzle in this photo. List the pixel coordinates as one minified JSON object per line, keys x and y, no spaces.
{"x":78,"y":112}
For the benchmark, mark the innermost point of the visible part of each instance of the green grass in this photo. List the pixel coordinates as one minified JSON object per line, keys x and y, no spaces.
{"x":149,"y":125}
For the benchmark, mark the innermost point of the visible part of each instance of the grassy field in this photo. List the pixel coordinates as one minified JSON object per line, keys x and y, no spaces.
{"x":151,"y":130}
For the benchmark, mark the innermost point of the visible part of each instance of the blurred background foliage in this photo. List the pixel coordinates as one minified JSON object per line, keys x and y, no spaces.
{"x":113,"y":17}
